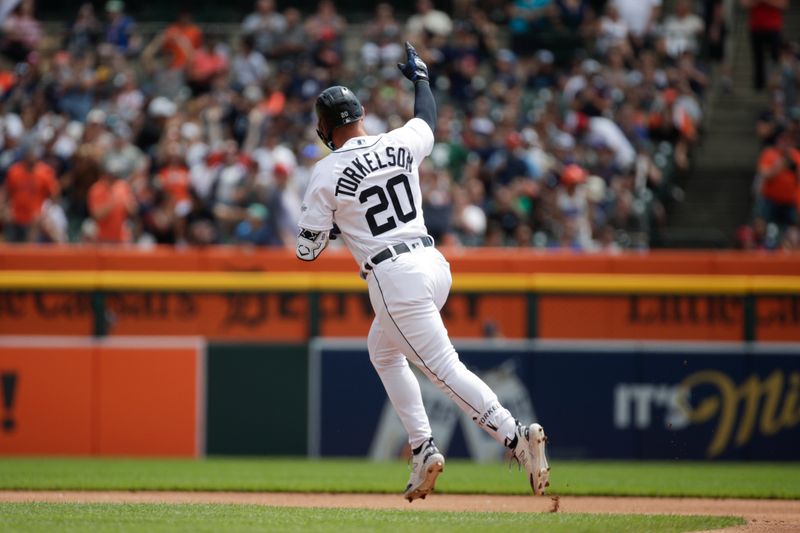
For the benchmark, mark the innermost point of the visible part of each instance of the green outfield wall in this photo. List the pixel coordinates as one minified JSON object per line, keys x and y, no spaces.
{"x":257,"y":399}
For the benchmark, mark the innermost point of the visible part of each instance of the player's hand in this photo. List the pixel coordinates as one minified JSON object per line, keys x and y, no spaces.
{"x":414,"y":68}
{"x":334,"y":233}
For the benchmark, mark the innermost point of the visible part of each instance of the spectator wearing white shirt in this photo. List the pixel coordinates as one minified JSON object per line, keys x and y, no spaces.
{"x":603,"y":131}
{"x":249,"y":66}
{"x":428,"y":19}
{"x":640,"y":16}
{"x":612,"y":31}
{"x":683,"y":30}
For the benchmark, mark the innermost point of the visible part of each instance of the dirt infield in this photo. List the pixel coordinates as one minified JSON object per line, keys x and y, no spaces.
{"x":780,"y":516}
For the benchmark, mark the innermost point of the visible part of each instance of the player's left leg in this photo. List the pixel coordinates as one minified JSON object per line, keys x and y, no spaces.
{"x":400,"y":383}
{"x":406,"y":398}
{"x":406,"y":295}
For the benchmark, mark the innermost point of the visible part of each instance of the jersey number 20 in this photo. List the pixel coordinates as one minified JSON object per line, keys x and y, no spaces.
{"x":383,"y":204}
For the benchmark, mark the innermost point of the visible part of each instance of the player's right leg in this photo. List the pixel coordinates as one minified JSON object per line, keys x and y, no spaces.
{"x":404,"y":295}
{"x":405,"y":396}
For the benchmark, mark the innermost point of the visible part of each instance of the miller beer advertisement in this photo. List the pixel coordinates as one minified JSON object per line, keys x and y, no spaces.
{"x":612,"y":400}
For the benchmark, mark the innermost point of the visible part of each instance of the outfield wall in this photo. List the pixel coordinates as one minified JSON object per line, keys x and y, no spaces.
{"x":91,"y":376}
{"x":617,"y":400}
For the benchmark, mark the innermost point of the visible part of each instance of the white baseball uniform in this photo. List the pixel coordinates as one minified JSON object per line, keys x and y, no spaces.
{"x":370,"y":188}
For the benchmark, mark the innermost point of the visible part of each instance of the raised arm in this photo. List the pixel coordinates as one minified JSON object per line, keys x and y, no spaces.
{"x":416,"y":70}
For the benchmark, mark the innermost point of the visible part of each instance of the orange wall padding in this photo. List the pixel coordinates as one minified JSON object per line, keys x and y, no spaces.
{"x":85,"y":398}
{"x":219,"y":258}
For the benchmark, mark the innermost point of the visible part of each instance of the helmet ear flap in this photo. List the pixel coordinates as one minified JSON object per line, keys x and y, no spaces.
{"x":325,"y":139}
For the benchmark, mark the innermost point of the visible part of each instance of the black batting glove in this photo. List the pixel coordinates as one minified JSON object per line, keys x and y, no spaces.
{"x":414,"y":68}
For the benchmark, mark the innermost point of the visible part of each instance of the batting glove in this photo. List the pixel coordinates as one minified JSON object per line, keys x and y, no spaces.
{"x":414,"y":68}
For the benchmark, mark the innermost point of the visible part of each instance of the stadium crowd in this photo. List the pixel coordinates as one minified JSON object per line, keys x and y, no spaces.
{"x":561,"y":122}
{"x":776,"y":187}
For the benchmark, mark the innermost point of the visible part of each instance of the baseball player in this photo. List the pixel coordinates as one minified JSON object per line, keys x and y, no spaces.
{"x":368,"y":190}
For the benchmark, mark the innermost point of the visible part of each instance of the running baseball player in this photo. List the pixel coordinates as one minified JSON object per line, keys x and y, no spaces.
{"x":368,"y":189}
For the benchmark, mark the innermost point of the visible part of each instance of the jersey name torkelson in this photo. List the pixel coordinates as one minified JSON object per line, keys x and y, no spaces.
{"x":365,"y":164}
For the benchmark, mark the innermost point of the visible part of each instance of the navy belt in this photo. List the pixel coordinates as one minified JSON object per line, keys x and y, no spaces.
{"x":397,"y":249}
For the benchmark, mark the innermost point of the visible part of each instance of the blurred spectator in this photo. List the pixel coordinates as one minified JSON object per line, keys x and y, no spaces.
{"x":788,"y":79}
{"x":84,"y":32}
{"x":773,"y":119}
{"x":641,"y":17}
{"x":181,"y":39}
{"x":208,"y":61}
{"x":683,"y":30}
{"x":111,"y":203}
{"x":201,"y":226}
{"x":173,"y":179}
{"x":254,"y":228}
{"x":382,"y":45}
{"x":572,"y":15}
{"x":232,"y":186}
{"x":29,"y":183}
{"x":530,"y":22}
{"x":779,"y":174}
{"x":613,"y":31}
{"x":264,"y":26}
{"x":128,"y":101}
{"x":325,"y":29}
{"x":428,"y":20}
{"x":120,"y":30}
{"x":284,"y":202}
{"x":128,"y":160}
{"x":601,"y":131}
{"x":53,"y":223}
{"x":269,"y":155}
{"x":22,"y":33}
{"x":766,"y":25}
{"x":248,"y":65}
{"x":293,"y":43}
{"x":573,"y":209}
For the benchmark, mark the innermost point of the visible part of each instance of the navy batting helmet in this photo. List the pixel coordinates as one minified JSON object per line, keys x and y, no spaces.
{"x":336,"y":106}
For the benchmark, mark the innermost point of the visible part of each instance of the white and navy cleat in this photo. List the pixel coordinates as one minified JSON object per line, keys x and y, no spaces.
{"x":425,"y":468}
{"x":529,"y":451}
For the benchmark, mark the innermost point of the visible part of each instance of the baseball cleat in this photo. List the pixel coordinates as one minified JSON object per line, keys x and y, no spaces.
{"x":529,"y":451}
{"x":425,"y":468}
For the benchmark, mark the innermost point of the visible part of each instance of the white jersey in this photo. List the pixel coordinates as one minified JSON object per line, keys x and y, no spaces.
{"x":370,"y":188}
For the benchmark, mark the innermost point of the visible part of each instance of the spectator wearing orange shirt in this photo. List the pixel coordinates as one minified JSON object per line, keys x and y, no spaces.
{"x":111,"y":202}
{"x":779,"y":171}
{"x":181,"y":39}
{"x":29,"y":183}
{"x":173,"y":180}
{"x":207,"y":62}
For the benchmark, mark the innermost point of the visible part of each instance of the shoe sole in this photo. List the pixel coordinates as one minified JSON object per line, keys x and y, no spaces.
{"x":540,"y":476}
{"x":428,"y":484}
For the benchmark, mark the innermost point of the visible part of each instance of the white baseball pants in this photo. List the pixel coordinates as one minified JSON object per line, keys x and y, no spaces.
{"x":407,"y":293}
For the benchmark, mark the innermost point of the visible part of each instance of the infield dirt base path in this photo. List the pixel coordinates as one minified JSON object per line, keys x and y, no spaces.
{"x":780,"y":516}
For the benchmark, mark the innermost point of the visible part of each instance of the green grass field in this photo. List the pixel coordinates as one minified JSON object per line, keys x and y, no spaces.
{"x":600,"y":478}
{"x":713,"y":480}
{"x":236,"y":518}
